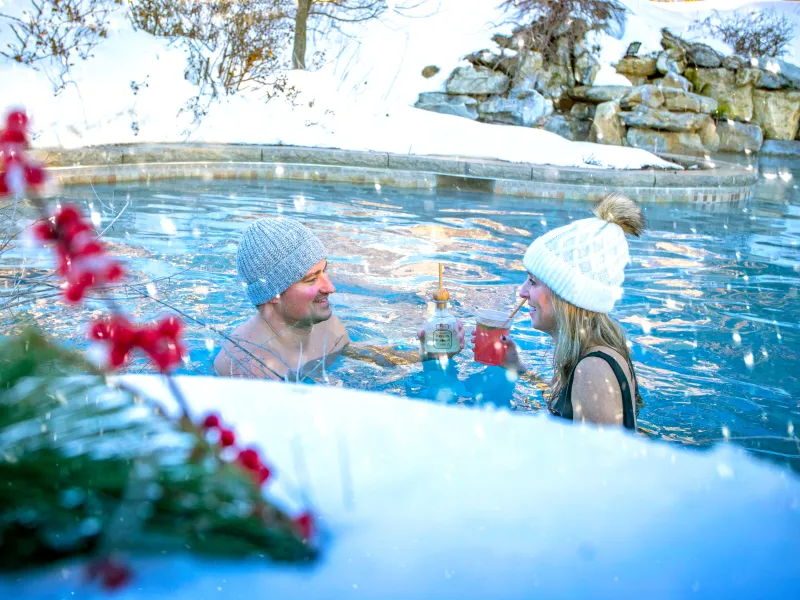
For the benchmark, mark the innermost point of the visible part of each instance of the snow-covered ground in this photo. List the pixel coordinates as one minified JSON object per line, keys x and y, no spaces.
{"x":425,"y":501}
{"x":360,"y":99}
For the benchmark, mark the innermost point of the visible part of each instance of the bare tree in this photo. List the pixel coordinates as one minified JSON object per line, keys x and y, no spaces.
{"x":57,"y":32}
{"x":754,"y":33}
{"x":331,"y":13}
{"x":232,"y":44}
{"x":542,"y":22}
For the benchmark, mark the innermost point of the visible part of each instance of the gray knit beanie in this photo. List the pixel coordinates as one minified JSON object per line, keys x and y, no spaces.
{"x":273,"y":254}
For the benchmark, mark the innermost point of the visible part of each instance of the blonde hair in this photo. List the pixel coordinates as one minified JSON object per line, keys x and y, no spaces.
{"x":580,"y":329}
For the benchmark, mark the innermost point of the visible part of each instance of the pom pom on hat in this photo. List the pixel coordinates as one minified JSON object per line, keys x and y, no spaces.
{"x":584,"y":262}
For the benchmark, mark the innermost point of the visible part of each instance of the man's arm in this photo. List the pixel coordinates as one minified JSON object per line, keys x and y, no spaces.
{"x":390,"y":356}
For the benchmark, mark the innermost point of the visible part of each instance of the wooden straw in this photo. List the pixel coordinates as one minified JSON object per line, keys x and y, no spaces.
{"x":440,"y":275}
{"x":516,"y":310}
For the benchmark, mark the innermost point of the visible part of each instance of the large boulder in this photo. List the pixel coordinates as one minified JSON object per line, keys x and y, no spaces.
{"x":553,"y":81}
{"x":664,"y":141}
{"x":709,"y":136}
{"x":734,"y":62}
{"x":673,"y":80}
{"x":599,"y":93}
{"x":638,"y":66}
{"x":649,"y":95}
{"x":585,"y":68}
{"x":476,"y":81}
{"x":583,"y":110}
{"x":524,"y":108}
{"x":738,"y":137}
{"x":528,"y":66}
{"x":747,"y":76}
{"x":733,"y":102}
{"x":702,"y":55}
{"x":664,"y":120}
{"x":607,"y":127}
{"x":773,"y":81}
{"x":492,"y":61}
{"x":680,"y":101}
{"x":778,"y":113}
{"x":460,"y":106}
{"x":789,"y":71}
{"x":671,"y":61}
{"x":568,"y":127}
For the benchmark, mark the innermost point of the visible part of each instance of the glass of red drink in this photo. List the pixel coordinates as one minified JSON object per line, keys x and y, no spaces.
{"x":491,"y":326}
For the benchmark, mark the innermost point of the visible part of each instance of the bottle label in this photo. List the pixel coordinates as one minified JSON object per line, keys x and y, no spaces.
{"x":442,"y":337}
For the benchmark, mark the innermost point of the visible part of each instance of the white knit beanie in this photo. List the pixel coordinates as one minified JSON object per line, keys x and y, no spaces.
{"x":273,"y":254}
{"x":584,"y":262}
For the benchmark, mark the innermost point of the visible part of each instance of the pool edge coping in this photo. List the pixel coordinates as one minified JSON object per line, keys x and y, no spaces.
{"x":724,"y":182}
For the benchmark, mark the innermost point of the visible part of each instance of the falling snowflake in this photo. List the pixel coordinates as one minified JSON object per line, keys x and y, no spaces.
{"x":168,"y":226}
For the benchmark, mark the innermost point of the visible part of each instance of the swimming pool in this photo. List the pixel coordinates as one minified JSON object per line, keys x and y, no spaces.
{"x":710,"y":307}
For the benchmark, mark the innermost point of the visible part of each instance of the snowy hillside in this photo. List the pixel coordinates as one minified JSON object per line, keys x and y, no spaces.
{"x":134,"y":87}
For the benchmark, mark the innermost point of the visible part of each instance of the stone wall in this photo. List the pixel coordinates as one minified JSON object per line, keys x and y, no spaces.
{"x":515,"y":86}
{"x":687,"y":98}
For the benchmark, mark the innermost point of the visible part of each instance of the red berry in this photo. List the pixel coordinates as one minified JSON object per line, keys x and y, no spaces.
{"x":263,"y":474}
{"x":170,"y":326}
{"x":227,"y":437}
{"x":211,"y":422}
{"x":44,"y":232}
{"x":34,"y":175}
{"x":17,"y":121}
{"x":67,"y":214}
{"x":115,"y":576}
{"x":249,"y":459}
{"x":9,"y":136}
{"x":114,"y":272}
{"x":75,"y":291}
{"x":100,"y":330}
{"x":305,"y":525}
{"x":90,"y":247}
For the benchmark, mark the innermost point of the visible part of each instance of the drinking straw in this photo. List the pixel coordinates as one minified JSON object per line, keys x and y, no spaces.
{"x":516,"y":310}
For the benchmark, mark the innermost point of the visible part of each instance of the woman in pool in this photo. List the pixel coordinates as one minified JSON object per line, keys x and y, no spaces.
{"x":575,"y":276}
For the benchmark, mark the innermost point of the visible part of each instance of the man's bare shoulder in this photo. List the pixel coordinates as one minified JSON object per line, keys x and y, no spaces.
{"x":336,"y":333}
{"x":244,"y":354}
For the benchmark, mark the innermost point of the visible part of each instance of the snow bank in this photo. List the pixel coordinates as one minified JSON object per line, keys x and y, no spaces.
{"x":426,"y":501}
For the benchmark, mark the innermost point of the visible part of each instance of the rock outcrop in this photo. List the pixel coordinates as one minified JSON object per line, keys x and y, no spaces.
{"x":522,"y":107}
{"x":739,"y":137}
{"x":481,"y":80}
{"x":460,"y":106}
{"x":778,"y":113}
{"x":607,"y":127}
{"x":686,"y":97}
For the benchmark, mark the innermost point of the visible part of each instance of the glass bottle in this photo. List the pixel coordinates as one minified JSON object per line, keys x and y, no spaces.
{"x":441,"y":330}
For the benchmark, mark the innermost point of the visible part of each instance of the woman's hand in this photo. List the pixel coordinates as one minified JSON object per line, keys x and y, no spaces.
{"x":511,"y":360}
{"x":426,"y":356}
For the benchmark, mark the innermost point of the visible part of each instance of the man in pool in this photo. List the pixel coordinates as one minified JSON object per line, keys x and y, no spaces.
{"x":293,"y":333}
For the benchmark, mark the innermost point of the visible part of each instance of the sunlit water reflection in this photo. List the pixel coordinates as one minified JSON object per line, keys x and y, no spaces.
{"x":710,"y":306}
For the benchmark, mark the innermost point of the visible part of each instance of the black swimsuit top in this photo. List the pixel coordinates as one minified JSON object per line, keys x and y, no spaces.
{"x":563,"y":404}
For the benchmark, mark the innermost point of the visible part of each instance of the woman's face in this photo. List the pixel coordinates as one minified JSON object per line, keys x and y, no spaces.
{"x":539,"y":297}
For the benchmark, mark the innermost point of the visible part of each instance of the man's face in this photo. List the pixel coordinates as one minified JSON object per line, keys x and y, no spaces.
{"x":306,"y":302}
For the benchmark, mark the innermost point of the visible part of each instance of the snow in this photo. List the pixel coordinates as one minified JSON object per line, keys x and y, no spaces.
{"x":360,"y":99}
{"x":449,"y":502}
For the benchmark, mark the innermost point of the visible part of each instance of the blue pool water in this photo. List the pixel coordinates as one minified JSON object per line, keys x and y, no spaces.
{"x":710,"y":307}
